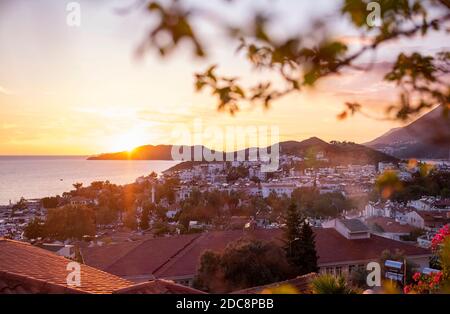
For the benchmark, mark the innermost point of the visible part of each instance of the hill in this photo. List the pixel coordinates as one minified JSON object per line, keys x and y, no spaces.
{"x":426,"y":138}
{"x":336,"y":153}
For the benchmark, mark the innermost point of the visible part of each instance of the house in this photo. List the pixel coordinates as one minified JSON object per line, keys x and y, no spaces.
{"x":389,"y":228}
{"x":79,"y":201}
{"x":443,"y":204}
{"x":429,"y":220}
{"x":280,"y":189}
{"x":60,"y":249}
{"x":27,"y":269}
{"x":340,"y":250}
{"x":352,"y":229}
{"x":183,"y":193}
{"x":435,"y":220}
{"x":415,"y":220}
{"x":424,"y":204}
{"x":386,"y":166}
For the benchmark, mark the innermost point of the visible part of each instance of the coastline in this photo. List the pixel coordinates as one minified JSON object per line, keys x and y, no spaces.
{"x":43,"y":176}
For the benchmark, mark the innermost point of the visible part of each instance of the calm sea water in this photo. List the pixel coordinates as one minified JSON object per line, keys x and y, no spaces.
{"x":36,"y":177}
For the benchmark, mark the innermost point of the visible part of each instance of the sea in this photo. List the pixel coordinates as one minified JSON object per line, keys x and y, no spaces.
{"x":34,"y":177}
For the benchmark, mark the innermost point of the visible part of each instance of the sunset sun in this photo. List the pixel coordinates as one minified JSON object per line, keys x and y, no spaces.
{"x":128,"y":141}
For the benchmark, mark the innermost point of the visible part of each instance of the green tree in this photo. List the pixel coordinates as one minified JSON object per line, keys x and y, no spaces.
{"x":77,"y":186}
{"x":145,"y":216}
{"x":49,"y":202}
{"x":35,"y":229}
{"x":299,"y":243}
{"x":70,"y":222}
{"x":130,"y":219}
{"x":243,"y":264}
{"x":105,"y":215}
{"x":307,"y":249}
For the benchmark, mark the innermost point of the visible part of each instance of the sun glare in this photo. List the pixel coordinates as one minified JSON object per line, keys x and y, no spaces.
{"x":128,"y":141}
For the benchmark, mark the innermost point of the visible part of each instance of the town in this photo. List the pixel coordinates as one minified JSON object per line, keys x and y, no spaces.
{"x":358,"y":213}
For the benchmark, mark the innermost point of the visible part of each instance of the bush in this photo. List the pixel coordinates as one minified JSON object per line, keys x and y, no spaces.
{"x":329,"y":284}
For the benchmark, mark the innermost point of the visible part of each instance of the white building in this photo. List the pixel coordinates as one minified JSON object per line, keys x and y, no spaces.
{"x":279,"y":189}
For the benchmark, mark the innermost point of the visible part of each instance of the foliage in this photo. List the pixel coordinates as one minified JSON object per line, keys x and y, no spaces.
{"x":388,"y":183}
{"x":35,"y":229}
{"x":77,"y":186}
{"x":321,"y":205}
{"x":358,"y":278}
{"x":50,"y":202}
{"x":130,"y":219}
{"x":433,"y":183}
{"x":105,"y":215}
{"x":299,"y":242}
{"x":70,"y":222}
{"x":301,"y":59}
{"x":143,"y":223}
{"x":329,"y":284}
{"x":20,"y":205}
{"x":237,"y":173}
{"x":243,"y":264}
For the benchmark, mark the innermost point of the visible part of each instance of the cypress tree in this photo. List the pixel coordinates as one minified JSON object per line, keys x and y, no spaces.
{"x":143,"y":224}
{"x":299,"y":242}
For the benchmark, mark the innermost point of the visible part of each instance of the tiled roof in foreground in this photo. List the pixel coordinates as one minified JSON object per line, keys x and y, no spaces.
{"x":26,"y":269}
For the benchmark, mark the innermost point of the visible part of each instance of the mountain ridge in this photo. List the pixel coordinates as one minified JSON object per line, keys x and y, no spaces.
{"x":426,"y":138}
{"x":337,"y":153}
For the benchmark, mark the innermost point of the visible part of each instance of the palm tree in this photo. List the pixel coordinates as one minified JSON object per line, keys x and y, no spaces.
{"x":329,"y":284}
{"x":77,"y":186}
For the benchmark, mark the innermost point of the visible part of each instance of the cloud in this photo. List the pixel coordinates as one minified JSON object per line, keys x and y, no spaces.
{"x":5,"y":91}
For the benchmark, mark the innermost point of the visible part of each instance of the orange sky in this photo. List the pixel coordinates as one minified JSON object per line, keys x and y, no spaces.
{"x":79,"y":91}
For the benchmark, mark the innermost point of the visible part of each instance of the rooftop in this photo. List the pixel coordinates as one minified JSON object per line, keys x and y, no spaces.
{"x":390,"y":225}
{"x":27,"y":269}
{"x":154,"y":258}
{"x":354,"y":225}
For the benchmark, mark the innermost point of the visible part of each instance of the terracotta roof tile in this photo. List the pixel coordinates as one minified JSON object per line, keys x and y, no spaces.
{"x":183,"y":259}
{"x":390,"y":225}
{"x":133,"y":259}
{"x":158,"y":287}
{"x":31,"y":266}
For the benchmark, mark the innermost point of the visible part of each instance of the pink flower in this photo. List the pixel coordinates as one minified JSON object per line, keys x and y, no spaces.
{"x":439,"y":237}
{"x":437,"y":277}
{"x":416,"y":276}
{"x":407,"y":289}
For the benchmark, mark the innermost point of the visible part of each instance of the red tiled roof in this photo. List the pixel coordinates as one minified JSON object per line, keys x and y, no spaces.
{"x":24,"y":265}
{"x":331,"y":246}
{"x":390,"y":225}
{"x":158,"y":287}
{"x":136,"y":258}
{"x":27,"y":269}
{"x":434,"y":216}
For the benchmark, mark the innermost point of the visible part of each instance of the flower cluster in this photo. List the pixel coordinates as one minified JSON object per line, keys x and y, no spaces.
{"x":424,"y":283}
{"x":440,"y":237}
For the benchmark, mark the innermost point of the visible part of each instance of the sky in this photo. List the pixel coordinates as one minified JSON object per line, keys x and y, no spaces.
{"x":80,"y":90}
